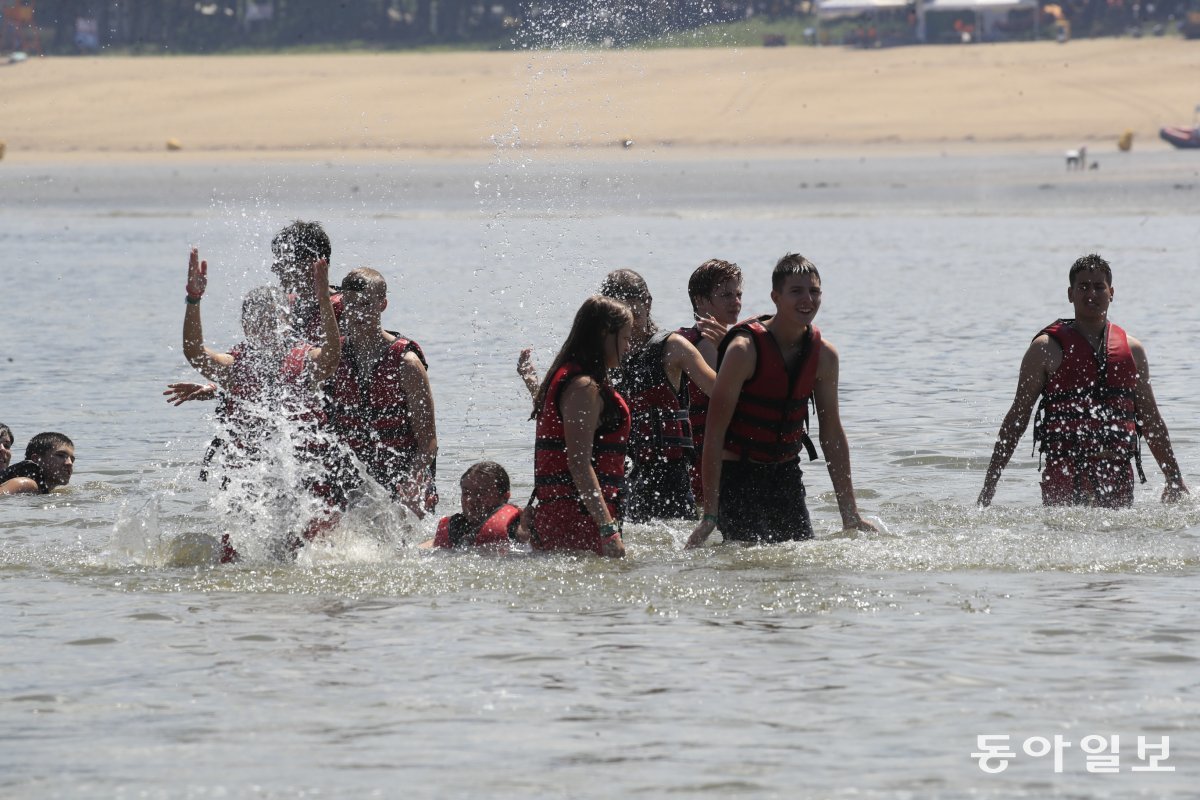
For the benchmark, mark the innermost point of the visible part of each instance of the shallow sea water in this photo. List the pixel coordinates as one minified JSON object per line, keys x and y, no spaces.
{"x":857,"y":666}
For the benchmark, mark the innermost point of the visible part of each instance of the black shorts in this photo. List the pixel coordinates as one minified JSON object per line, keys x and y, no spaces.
{"x":763,"y":502}
{"x":660,"y":490}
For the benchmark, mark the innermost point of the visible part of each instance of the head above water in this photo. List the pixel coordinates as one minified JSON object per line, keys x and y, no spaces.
{"x":295,"y":248}
{"x":6,"y":443}
{"x":266,"y":316}
{"x":600,"y":332}
{"x":1091,"y":262}
{"x":630,"y":288}
{"x":485,"y":487}
{"x":55,"y":453}
{"x":364,"y":294}
{"x":792,"y":264}
{"x":716,"y":287}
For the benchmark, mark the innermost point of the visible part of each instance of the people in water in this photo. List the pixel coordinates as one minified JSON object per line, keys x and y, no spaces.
{"x":6,"y":443}
{"x":487,"y":520}
{"x":294,"y":250}
{"x":583,"y":427}
{"x":770,"y":367}
{"x":715,"y":291}
{"x":49,"y":463}
{"x":379,"y":401}
{"x":269,"y":377}
{"x":651,"y":379}
{"x":1093,"y":381}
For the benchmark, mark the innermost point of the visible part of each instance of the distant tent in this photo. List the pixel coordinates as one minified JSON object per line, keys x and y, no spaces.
{"x":978,"y":7}
{"x":832,"y":9}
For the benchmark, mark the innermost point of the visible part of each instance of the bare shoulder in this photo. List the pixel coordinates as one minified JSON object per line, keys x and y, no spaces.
{"x":412,"y":361}
{"x":19,"y":486}
{"x":829,"y":360}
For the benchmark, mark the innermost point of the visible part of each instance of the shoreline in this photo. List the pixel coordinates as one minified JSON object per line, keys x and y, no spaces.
{"x":799,"y":102}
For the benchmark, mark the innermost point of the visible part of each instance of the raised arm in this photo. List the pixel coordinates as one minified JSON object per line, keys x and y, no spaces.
{"x":682,"y":355}
{"x":528,"y":372}
{"x":581,"y":406}
{"x":1153,"y":427}
{"x":834,"y":445}
{"x":1038,"y":363}
{"x":328,"y":353}
{"x":209,"y":363}
{"x":736,"y":369}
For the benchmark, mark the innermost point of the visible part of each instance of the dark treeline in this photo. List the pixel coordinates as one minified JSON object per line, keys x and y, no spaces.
{"x":189,"y":26}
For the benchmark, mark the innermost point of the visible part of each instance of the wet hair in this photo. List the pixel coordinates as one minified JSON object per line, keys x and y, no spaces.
{"x":7,"y":431}
{"x":789,"y":265}
{"x":358,"y":280}
{"x":43,"y":443}
{"x":1089,"y":262}
{"x":629,"y":287}
{"x":709,"y":275}
{"x":493,"y":471}
{"x":299,"y":244}
{"x":596,"y":319}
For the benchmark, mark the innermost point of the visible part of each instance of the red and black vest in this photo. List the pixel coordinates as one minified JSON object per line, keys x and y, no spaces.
{"x":552,"y":481}
{"x":661,"y":430}
{"x":1088,"y":406}
{"x":770,"y":420}
{"x":257,"y":394}
{"x":697,"y":400}
{"x":373,"y":417}
{"x":455,"y":531}
{"x":26,"y":469}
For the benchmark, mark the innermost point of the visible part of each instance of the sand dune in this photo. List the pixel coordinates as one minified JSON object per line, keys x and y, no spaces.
{"x":727,"y":102}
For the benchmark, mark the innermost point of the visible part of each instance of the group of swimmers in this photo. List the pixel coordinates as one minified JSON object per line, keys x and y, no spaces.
{"x":708,"y":421}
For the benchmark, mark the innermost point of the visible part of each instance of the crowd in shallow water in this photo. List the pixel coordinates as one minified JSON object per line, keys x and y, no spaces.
{"x":707,"y":422}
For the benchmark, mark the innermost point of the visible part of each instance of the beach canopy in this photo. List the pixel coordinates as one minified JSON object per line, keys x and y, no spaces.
{"x":828,"y":9}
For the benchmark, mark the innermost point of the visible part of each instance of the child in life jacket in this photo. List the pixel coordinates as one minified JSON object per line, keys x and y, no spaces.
{"x":487,"y":519}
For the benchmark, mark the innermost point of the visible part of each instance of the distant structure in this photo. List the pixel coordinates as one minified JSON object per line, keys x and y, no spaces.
{"x":19,"y":32}
{"x":1077,"y":159}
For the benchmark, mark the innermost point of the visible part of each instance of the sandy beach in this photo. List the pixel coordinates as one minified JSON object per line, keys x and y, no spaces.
{"x":721,"y":102}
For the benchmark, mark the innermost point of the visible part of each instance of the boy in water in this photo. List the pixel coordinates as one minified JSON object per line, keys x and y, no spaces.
{"x":379,"y":401}
{"x":49,"y":462}
{"x":1094,"y":381}
{"x":715,"y":290}
{"x":758,"y":417}
{"x":487,"y":518}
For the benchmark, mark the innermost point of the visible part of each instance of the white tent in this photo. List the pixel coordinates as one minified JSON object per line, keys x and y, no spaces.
{"x":831,"y":9}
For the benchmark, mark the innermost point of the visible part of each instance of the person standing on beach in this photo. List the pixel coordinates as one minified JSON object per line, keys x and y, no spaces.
{"x":379,"y":401}
{"x":715,"y":290}
{"x":1094,"y":383}
{"x":49,"y":463}
{"x":582,"y":433}
{"x":770,"y":367}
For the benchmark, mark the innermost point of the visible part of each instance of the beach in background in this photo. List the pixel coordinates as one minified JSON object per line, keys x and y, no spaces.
{"x":778,"y":102}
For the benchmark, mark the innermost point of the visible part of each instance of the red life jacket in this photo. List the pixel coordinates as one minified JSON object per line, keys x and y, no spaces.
{"x":697,"y":400}
{"x":251,"y":403}
{"x":697,"y":418}
{"x":559,"y":506}
{"x":374,"y":419}
{"x":1087,"y":407}
{"x":770,"y":420}
{"x":660,"y":427}
{"x":493,"y":532}
{"x":306,"y":319}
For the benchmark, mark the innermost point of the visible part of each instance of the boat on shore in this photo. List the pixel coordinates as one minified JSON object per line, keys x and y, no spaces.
{"x":1183,"y":137}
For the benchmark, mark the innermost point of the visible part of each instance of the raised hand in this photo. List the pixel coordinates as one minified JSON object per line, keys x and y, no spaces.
{"x":197,"y":280}
{"x":179,"y":393}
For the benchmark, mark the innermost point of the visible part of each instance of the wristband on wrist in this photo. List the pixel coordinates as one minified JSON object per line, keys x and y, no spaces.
{"x":711,"y":518}
{"x":610,"y":530}
{"x":192,"y":300}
